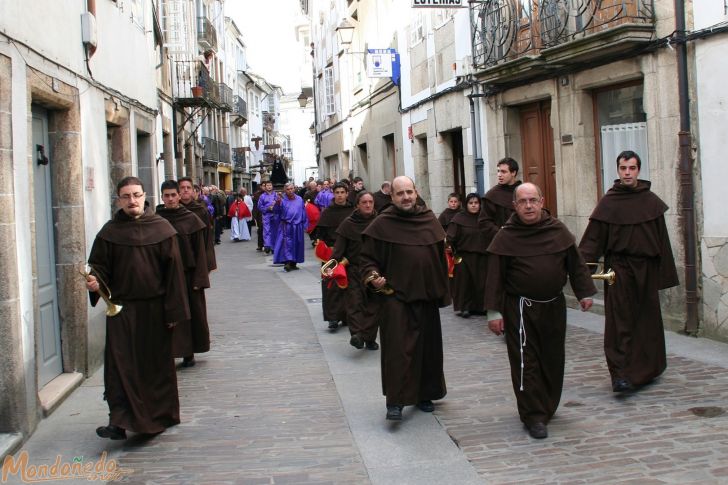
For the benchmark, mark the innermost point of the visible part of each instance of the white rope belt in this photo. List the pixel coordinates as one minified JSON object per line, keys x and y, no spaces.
{"x":522,"y":300}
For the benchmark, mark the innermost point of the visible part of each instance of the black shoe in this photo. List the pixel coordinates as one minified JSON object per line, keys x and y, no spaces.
{"x":188,"y":362}
{"x":356,"y":341}
{"x":394,"y":413}
{"x":111,"y":432}
{"x":371,"y":345}
{"x":426,"y":406}
{"x":286,"y":267}
{"x":266,"y":250}
{"x":458,"y":313}
{"x":259,"y":249}
{"x":465,"y":314}
{"x":621,"y":385}
{"x":538,"y":431}
{"x":333,"y":324}
{"x":292,"y":267}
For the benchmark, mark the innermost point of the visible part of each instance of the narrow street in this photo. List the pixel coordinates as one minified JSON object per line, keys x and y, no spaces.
{"x":279,"y":399}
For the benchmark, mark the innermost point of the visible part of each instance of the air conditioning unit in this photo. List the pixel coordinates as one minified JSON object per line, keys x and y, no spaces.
{"x":464,"y":67}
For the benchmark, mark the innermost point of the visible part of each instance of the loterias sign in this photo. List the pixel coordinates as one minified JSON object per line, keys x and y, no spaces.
{"x":438,"y":3}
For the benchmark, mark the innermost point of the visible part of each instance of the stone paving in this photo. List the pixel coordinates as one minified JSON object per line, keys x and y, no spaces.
{"x":264,"y":405}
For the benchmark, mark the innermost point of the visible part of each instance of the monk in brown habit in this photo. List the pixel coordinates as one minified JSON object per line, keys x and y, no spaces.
{"x":497,"y":204}
{"x":332,"y":298}
{"x":628,"y":228}
{"x":361,"y":314}
{"x":136,"y":255}
{"x":190,"y":336}
{"x":453,"y":207}
{"x":403,"y":258}
{"x":189,"y":201}
{"x":468,"y":244}
{"x":530,"y":259}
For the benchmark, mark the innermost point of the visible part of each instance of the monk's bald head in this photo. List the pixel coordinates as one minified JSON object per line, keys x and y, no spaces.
{"x":529,"y":186}
{"x":404,"y":194}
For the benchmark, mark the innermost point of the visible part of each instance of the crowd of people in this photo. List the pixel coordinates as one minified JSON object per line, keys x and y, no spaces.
{"x":388,"y":265}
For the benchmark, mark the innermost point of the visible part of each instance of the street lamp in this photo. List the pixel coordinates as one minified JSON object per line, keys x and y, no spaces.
{"x":302,"y":99}
{"x":346,"y":32}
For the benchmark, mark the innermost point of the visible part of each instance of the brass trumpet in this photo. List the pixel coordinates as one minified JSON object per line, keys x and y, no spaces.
{"x":385,"y":290}
{"x":457,"y":259}
{"x":328,"y":268}
{"x":610,"y":276}
{"x":112,"y":309}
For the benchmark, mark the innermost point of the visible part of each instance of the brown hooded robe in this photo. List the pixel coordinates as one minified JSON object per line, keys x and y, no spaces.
{"x":361,"y":313}
{"x":332,"y":299}
{"x":468,"y":242}
{"x":191,"y":336}
{"x":200,"y":210}
{"x":140,"y":261}
{"x":628,"y":228}
{"x":527,"y":268}
{"x":408,"y":249}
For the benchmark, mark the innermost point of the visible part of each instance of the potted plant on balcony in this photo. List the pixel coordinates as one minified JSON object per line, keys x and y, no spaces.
{"x":197,"y":91}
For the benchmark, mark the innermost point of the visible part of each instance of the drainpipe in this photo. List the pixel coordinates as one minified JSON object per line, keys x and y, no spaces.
{"x":687,"y":190}
{"x":478,"y":165}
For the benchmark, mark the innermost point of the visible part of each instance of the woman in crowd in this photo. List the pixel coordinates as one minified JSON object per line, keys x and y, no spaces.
{"x":468,"y":244}
{"x":361,"y":311}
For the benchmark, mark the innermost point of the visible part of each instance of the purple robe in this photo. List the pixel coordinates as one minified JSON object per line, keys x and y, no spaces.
{"x":270,"y":218}
{"x":324,"y":198}
{"x":293,"y":222}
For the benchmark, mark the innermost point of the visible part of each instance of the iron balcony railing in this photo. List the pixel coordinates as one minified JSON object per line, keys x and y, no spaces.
{"x":239,"y":159}
{"x":192,"y":80}
{"x":224,"y":97}
{"x":212,"y":151}
{"x":224,"y":152}
{"x":206,"y":34}
{"x":506,"y":30}
{"x":240,"y":107}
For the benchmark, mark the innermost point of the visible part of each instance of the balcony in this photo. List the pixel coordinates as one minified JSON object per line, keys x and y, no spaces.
{"x":269,"y":121}
{"x":224,"y":152}
{"x":518,"y":40}
{"x":239,"y":159}
{"x":206,"y":34}
{"x":240,"y":111}
{"x":224,"y":98}
{"x":192,"y":85}
{"x":211,"y":153}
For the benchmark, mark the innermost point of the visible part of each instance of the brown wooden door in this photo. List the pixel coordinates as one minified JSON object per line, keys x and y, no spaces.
{"x":537,"y":145}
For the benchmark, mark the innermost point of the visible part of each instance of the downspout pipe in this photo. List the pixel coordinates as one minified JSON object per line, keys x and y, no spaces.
{"x":685,"y":169}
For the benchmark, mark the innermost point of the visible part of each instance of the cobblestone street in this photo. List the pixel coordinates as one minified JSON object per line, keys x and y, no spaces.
{"x":279,"y":399}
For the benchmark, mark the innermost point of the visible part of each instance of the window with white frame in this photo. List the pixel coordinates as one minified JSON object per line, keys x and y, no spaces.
{"x":137,"y":12}
{"x":329,"y":90}
{"x":443,"y":16}
{"x":417,"y":28}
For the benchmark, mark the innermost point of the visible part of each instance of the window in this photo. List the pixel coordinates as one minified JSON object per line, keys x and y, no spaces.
{"x":443,"y":16}
{"x":137,"y":12}
{"x":622,"y":125}
{"x":329,"y":91}
{"x":417,"y":28}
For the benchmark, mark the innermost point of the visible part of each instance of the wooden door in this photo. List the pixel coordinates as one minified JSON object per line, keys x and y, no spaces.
{"x":50,"y":362}
{"x":537,"y":147}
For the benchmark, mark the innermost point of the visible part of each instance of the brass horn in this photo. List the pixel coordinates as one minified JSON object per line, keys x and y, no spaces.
{"x":328,"y":268}
{"x":386,"y":289}
{"x":112,"y":309}
{"x":610,"y":276}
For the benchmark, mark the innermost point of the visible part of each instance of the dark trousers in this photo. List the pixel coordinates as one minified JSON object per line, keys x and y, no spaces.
{"x":218,"y":228}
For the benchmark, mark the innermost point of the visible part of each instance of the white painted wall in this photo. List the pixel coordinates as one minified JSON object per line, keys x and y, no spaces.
{"x":711,"y":67}
{"x":53,"y":28}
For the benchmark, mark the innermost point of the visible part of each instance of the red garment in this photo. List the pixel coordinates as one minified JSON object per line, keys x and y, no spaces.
{"x":239,"y":210}
{"x":314,"y":214}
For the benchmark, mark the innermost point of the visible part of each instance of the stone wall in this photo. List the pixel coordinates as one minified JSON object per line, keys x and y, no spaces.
{"x":714,"y":251}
